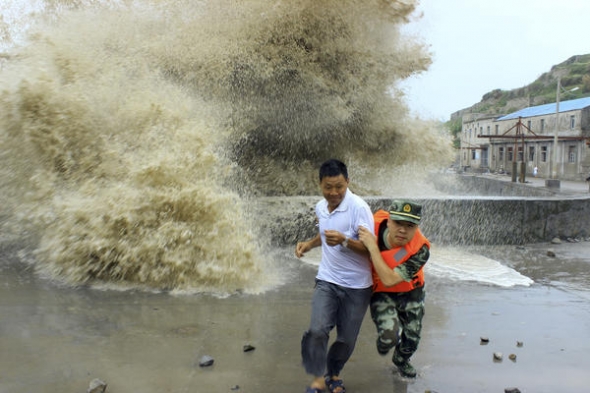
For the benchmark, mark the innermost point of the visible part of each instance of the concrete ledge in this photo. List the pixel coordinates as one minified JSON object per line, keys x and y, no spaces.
{"x":474,"y":186}
{"x":552,"y":183}
{"x":483,"y":211}
{"x":449,"y":220}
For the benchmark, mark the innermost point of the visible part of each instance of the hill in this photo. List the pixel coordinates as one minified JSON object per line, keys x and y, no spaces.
{"x":574,"y":72}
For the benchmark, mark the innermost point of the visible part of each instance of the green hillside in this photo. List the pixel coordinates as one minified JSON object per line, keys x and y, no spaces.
{"x":575,"y":75}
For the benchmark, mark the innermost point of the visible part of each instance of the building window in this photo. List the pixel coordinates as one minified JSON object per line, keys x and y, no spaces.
{"x":473,"y":155}
{"x":529,"y":124}
{"x":531,"y":153}
{"x":520,"y":155}
{"x":488,"y":130}
{"x":501,"y":154}
{"x":572,"y":121}
{"x":542,"y":125}
{"x":544,"y":153}
{"x":497,"y":129}
{"x":510,"y":154}
{"x":571,"y":154}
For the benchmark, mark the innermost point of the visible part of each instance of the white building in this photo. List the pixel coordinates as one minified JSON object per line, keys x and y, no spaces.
{"x":525,"y":139}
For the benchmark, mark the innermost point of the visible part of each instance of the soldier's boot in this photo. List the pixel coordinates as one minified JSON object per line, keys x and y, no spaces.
{"x":403,"y":365}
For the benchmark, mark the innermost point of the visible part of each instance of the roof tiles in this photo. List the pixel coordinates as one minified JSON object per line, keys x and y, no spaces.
{"x":548,"y":109}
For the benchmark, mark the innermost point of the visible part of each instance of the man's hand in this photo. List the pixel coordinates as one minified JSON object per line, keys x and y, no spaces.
{"x":368,"y":239}
{"x":301,"y":248}
{"x":334,"y":238}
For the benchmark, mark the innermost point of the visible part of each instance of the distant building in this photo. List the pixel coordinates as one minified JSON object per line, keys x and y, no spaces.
{"x":526,"y":139}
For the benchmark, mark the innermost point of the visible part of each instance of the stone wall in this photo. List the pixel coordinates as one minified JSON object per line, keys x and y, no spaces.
{"x":460,"y":220}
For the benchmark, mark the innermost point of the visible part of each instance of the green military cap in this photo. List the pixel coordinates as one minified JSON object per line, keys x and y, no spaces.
{"x":405,"y":211}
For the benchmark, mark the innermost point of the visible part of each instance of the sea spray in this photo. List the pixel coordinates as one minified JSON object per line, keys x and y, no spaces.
{"x":135,"y":135}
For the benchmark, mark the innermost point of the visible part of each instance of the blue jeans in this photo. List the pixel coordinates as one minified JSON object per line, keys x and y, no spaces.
{"x":333,"y":305}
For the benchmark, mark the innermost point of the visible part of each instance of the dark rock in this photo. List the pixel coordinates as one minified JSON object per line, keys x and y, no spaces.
{"x":484,"y":340}
{"x":512,"y":357}
{"x":235,"y":387}
{"x":519,"y":344}
{"x":511,"y":390}
{"x":206,"y":361}
{"x":248,"y":348}
{"x":551,"y":253}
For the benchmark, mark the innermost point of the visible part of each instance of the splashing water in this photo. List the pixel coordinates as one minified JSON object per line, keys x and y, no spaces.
{"x":455,"y":264}
{"x":461,"y":265}
{"x":134,"y":135}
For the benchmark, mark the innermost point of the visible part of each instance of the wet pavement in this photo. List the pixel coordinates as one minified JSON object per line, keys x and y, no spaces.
{"x":58,"y":339}
{"x":566,"y":187}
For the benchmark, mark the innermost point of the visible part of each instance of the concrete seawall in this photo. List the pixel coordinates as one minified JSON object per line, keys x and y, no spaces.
{"x":459,"y":220}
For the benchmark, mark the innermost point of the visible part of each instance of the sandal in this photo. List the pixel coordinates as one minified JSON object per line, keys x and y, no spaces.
{"x":335,"y":385}
{"x":309,"y":389}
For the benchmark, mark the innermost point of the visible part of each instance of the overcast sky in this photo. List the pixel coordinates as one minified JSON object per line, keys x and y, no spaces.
{"x":477,"y":46}
{"x":482,"y":45}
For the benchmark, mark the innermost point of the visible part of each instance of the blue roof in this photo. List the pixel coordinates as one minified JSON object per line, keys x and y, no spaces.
{"x":548,"y":109}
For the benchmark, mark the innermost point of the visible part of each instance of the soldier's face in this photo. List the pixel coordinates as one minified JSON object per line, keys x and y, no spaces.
{"x":400,"y":232}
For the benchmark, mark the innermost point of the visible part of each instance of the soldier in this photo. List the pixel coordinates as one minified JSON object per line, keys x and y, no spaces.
{"x":398,"y":252}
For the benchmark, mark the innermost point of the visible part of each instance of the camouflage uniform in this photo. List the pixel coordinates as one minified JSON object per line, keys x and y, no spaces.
{"x":398,"y":319}
{"x":398,"y":315}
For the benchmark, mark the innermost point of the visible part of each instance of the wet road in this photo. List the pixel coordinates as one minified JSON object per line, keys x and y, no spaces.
{"x":56,"y":339}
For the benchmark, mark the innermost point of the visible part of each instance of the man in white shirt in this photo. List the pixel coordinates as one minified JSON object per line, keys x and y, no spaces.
{"x":343,"y":282}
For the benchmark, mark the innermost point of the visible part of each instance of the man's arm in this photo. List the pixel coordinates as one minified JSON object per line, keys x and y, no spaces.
{"x":409,"y":268}
{"x":303,"y":247}
{"x":334,"y":238}
{"x":388,"y":276}
{"x":364,"y":220}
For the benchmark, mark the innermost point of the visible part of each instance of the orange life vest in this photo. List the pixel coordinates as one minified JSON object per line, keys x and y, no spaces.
{"x":397,"y":256}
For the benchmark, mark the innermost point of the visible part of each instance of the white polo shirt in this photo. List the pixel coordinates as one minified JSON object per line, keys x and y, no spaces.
{"x":341,"y":265}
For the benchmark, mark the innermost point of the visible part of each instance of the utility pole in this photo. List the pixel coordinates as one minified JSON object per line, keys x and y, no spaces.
{"x":554,"y":181}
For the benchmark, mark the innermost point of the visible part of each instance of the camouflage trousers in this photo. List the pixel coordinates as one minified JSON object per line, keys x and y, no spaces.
{"x":398,"y":319}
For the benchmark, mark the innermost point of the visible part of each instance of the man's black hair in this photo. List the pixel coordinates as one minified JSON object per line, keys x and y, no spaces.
{"x":333,"y":168}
